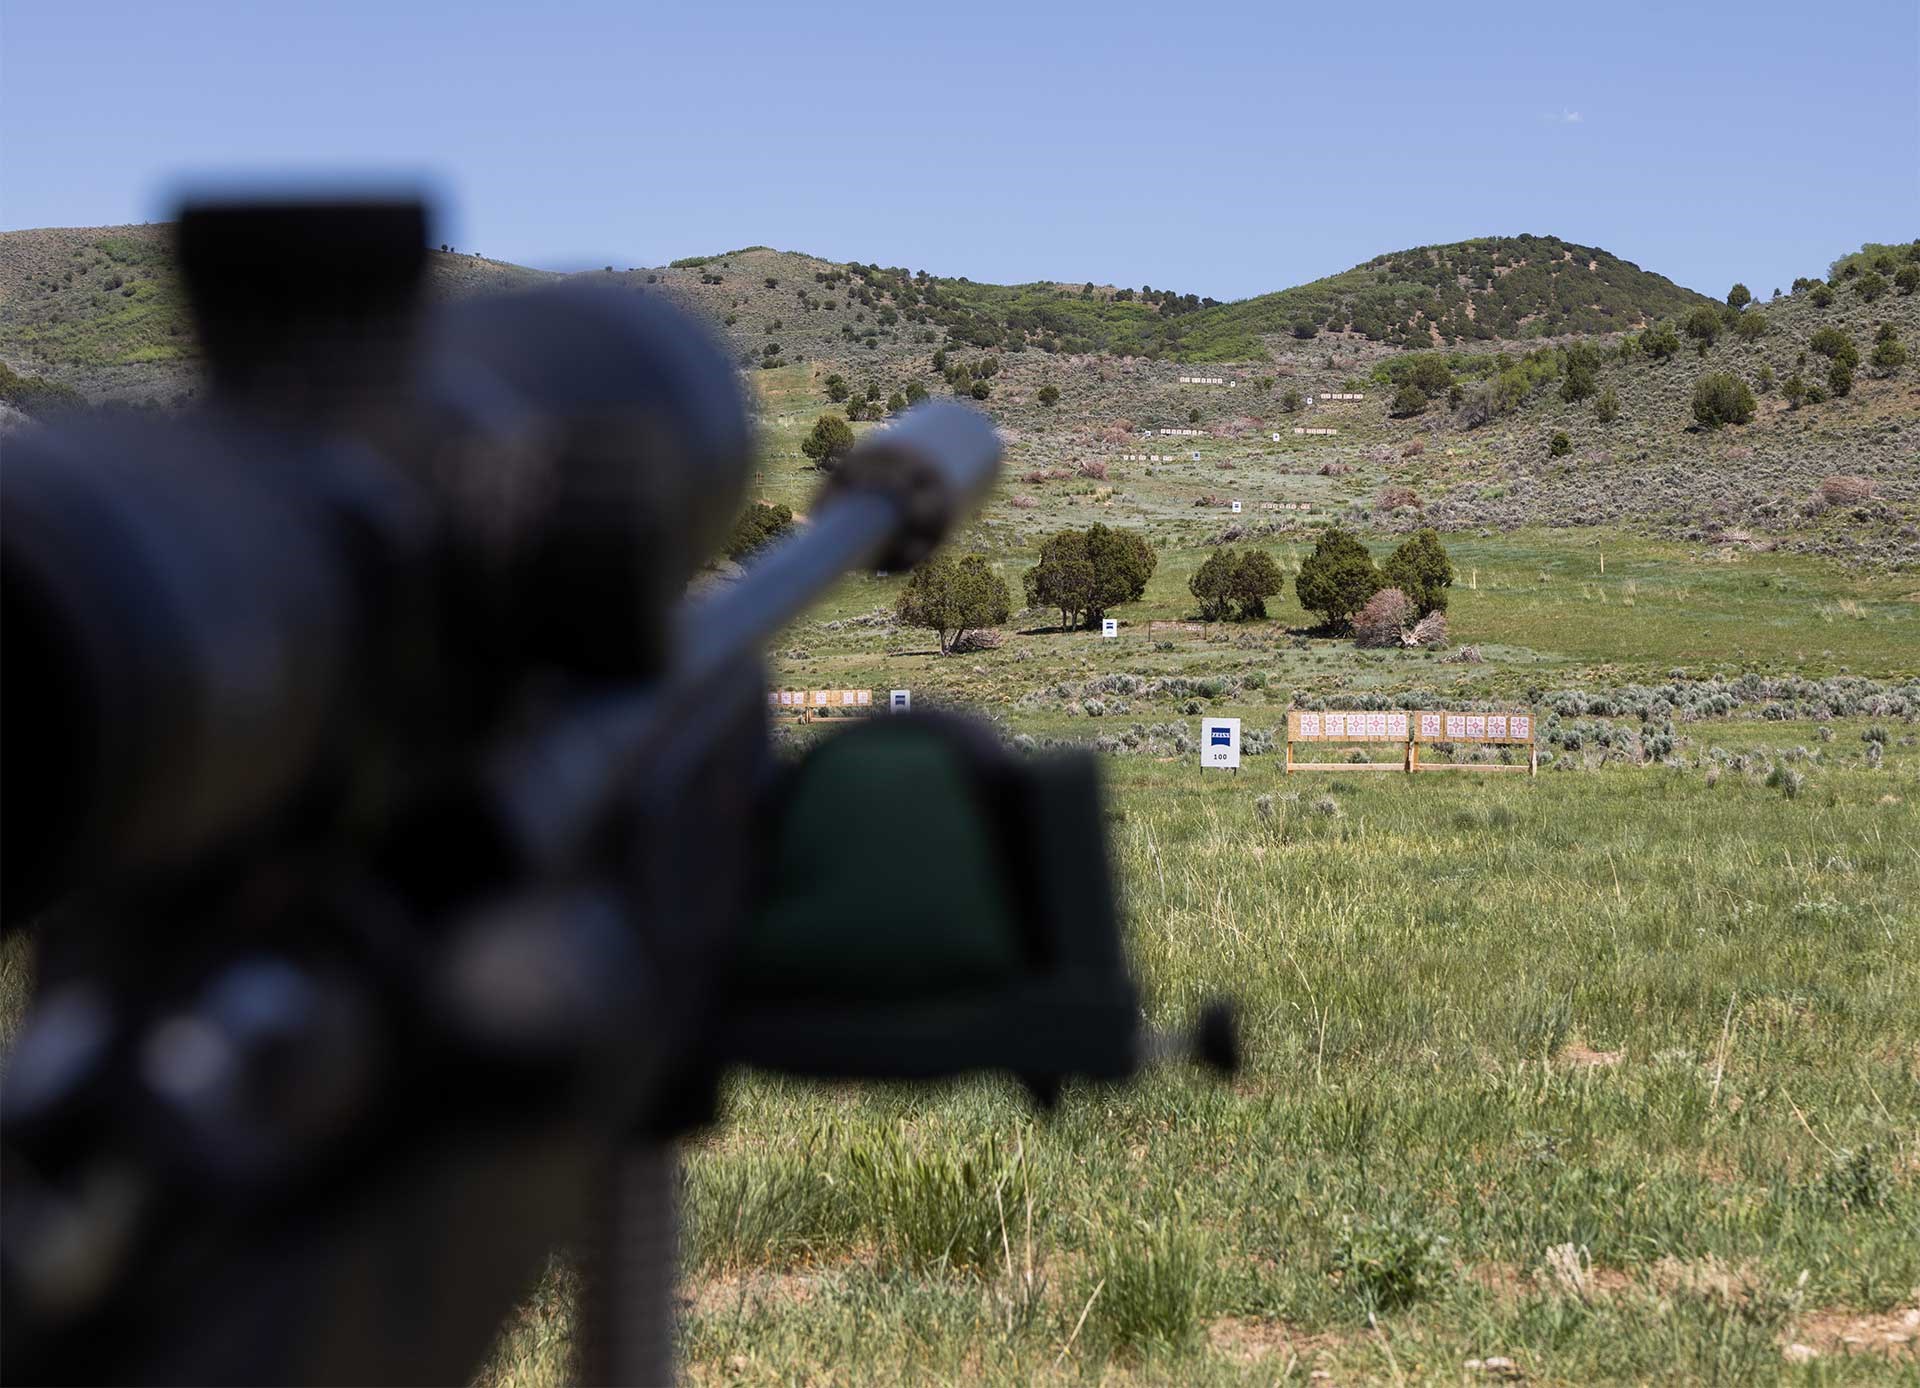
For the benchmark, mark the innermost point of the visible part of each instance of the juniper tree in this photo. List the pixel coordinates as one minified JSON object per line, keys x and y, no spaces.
{"x":953,"y":597}
{"x":1719,"y":397}
{"x":1336,"y":580}
{"x":1422,"y":570}
{"x":828,"y":442}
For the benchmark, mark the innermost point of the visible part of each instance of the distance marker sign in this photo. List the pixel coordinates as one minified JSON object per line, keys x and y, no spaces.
{"x":1220,"y":743}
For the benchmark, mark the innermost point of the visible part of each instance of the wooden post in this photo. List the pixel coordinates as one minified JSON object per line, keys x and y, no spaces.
{"x":1533,"y":758}
{"x":1289,"y":770}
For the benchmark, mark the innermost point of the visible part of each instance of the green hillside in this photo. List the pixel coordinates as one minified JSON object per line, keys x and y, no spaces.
{"x":1488,"y":289}
{"x":1491,"y":288}
{"x":102,"y":308}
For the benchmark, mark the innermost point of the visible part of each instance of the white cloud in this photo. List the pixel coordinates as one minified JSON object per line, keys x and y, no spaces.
{"x":1565,"y":117}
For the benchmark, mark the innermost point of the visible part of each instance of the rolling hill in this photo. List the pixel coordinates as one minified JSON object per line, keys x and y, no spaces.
{"x":1492,"y":288}
{"x":100,"y":309}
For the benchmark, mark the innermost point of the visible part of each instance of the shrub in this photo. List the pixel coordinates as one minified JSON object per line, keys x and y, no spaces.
{"x":1721,"y":398}
{"x":1380,"y":622}
{"x":1870,"y":286}
{"x":1660,"y":342}
{"x":1580,"y":373}
{"x":1794,"y":391}
{"x":1822,"y":296}
{"x":1291,"y":401}
{"x":1421,"y":569}
{"x":1305,"y":329}
{"x":1840,"y":378}
{"x":1409,"y":400}
{"x":1830,"y":342}
{"x":896,"y":402}
{"x":1193,"y":416}
{"x":1751,"y":326}
{"x":1429,"y":372}
{"x":828,"y":442}
{"x":980,"y":390}
{"x":1394,"y":498}
{"x":1703,"y":326}
{"x":1907,"y":279}
{"x":757,"y":525}
{"x":1559,"y":445}
{"x":1336,"y":580}
{"x":1606,"y":407}
{"x":1384,"y":1264}
{"x":1889,"y":354}
{"x":1739,"y":296}
{"x":916,"y":392}
{"x":952,"y":597}
{"x":1049,"y":395}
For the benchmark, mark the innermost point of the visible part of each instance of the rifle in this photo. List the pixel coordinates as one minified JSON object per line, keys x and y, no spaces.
{"x":408,"y":854}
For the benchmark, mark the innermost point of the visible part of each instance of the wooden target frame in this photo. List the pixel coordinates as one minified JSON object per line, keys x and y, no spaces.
{"x":808,"y":704}
{"x":1432,"y":726}
{"x":1347,"y":727}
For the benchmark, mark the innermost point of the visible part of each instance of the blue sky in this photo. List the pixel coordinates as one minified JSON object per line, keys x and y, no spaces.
{"x":1223,"y":149}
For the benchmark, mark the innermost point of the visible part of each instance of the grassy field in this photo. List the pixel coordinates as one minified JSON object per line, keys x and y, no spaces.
{"x":1614,"y":1075}
{"x":1611,"y":1075}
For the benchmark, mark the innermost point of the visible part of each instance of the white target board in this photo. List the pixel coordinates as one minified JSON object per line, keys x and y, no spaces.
{"x":1276,"y":438}
{"x":1109,"y":626}
{"x":1220,"y":743}
{"x":1236,"y":508}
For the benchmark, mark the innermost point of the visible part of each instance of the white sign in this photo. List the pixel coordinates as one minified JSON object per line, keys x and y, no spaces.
{"x":1109,"y":626}
{"x":900,"y":700}
{"x":1276,"y":438}
{"x":1220,"y":743}
{"x":1236,"y":508}
{"x":1196,"y":457}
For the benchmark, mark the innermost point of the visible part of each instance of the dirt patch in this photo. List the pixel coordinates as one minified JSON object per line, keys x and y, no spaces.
{"x":1247,"y":1340}
{"x":1563,"y":1270}
{"x":748,"y":1292}
{"x":1581,"y":1056}
{"x":1891,"y":1334}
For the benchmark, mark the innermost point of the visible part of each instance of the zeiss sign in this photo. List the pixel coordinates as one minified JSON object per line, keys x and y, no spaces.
{"x":1220,"y":743}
